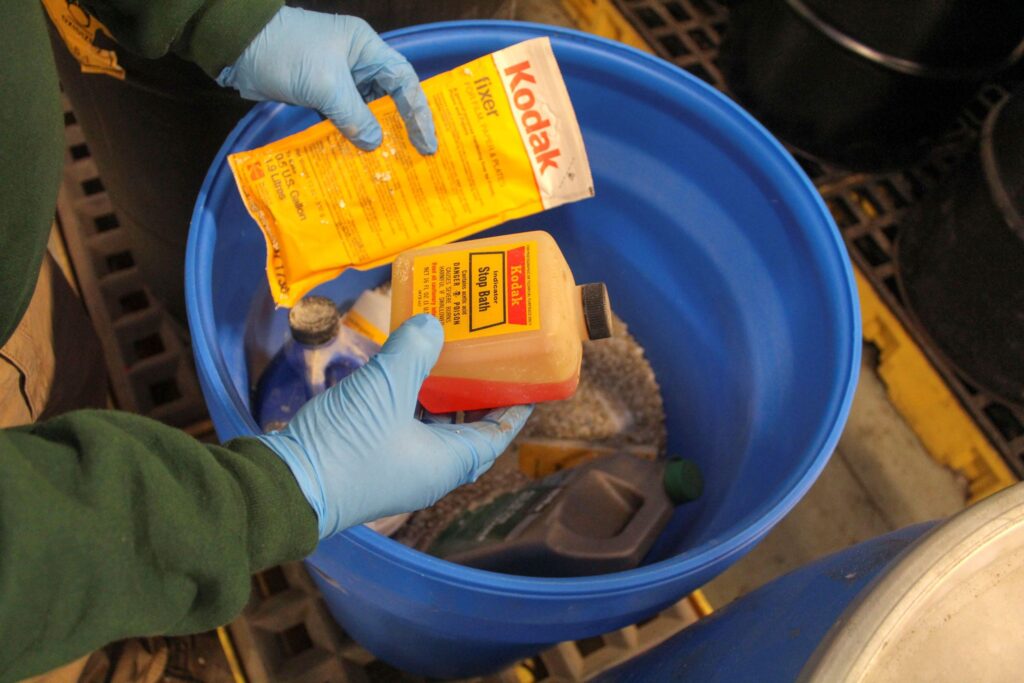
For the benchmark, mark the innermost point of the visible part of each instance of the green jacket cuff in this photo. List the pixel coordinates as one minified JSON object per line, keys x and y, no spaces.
{"x":222,"y":31}
{"x":282,"y":524}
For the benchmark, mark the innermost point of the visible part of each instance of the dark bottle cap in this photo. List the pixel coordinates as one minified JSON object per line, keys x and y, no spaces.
{"x":314,"y":320}
{"x":683,"y":480}
{"x":597,"y":311}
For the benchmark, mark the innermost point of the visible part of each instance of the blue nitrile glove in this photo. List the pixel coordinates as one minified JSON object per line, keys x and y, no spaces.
{"x":334,"y":64}
{"x":359,"y":454}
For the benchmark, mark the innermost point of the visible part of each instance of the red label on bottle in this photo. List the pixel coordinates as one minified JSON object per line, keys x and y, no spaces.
{"x":517,"y":289}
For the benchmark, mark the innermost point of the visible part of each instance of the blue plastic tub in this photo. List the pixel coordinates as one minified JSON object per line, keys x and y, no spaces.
{"x":721,"y":257}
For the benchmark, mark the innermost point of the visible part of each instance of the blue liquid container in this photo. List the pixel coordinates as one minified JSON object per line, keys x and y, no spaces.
{"x":320,"y":353}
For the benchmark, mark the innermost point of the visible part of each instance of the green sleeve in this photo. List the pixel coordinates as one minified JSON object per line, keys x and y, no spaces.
{"x":113,"y":525}
{"x":211,"y":33}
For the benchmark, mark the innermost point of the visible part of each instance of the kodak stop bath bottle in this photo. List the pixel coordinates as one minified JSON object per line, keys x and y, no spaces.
{"x":513,"y":317}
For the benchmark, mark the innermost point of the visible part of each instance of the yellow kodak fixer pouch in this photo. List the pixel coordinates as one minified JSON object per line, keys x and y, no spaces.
{"x":508,"y":146}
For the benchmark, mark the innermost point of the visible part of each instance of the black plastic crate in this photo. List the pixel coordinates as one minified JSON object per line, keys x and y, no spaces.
{"x":148,"y":360}
{"x":286,"y":634}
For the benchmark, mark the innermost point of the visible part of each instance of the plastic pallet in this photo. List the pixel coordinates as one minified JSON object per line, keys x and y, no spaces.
{"x":684,"y":32}
{"x":868,"y":209}
{"x":148,"y":363}
{"x":286,"y":635}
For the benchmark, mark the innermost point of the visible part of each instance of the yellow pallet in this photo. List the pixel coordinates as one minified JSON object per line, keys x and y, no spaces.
{"x":926,"y":403}
{"x":602,"y":18}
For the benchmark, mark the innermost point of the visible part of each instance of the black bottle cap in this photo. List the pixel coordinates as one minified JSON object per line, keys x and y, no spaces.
{"x":597,"y":311}
{"x":314,"y":320}
{"x":683,"y":480}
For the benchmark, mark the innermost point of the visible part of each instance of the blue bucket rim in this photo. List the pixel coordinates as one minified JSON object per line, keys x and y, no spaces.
{"x":665,"y":571}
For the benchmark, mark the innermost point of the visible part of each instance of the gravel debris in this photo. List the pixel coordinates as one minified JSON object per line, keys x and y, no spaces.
{"x":425,"y":526}
{"x":618,"y":400}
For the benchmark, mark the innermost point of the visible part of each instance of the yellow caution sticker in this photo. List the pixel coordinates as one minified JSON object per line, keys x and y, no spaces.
{"x":78,"y":30}
{"x":370,"y":315}
{"x":357,"y":322}
{"x":540,"y":457}
{"x":508,"y":146}
{"x":479,"y":293}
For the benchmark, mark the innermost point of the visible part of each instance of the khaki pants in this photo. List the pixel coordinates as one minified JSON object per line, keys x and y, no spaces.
{"x":69,"y":673}
{"x":137,"y":664}
{"x":51,"y":364}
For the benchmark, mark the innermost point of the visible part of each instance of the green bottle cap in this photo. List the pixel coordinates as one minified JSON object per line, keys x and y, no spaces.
{"x":683,"y":481}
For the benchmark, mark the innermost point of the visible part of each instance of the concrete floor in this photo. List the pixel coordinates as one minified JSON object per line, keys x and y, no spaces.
{"x":879,"y":479}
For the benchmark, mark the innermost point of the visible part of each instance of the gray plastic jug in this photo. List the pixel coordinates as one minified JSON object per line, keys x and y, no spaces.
{"x":600,"y":517}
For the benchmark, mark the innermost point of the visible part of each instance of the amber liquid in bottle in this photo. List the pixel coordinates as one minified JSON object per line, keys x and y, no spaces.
{"x":513,"y":316}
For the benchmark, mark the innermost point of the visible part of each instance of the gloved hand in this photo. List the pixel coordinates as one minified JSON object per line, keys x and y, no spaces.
{"x":334,"y":64}
{"x":359,"y":454}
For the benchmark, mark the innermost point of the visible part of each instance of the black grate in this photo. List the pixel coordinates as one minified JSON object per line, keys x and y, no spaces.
{"x":868,"y":207}
{"x":148,"y":360}
{"x":286,"y":633}
{"x":685,"y":32}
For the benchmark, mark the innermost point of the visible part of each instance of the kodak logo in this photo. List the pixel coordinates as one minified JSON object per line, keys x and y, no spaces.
{"x":536,"y":127}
